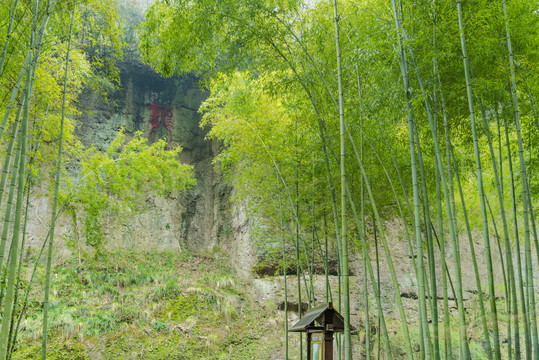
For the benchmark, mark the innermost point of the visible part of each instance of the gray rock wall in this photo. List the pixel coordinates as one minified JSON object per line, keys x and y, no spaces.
{"x":202,"y":219}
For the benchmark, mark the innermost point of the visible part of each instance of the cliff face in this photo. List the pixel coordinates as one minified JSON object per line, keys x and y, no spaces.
{"x":202,"y":219}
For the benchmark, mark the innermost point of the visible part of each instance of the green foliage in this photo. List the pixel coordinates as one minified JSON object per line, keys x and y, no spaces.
{"x":168,"y":291}
{"x":183,"y":36}
{"x":122,"y":179}
{"x":273,"y":104}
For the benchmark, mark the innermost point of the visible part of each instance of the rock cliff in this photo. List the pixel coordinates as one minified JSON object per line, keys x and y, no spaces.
{"x":202,"y":219}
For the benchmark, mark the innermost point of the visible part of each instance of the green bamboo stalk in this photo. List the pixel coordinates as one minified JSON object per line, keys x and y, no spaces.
{"x":509,"y":260}
{"x":307,"y":291}
{"x":449,"y":196}
{"x":365,"y":289}
{"x":366,"y":310}
{"x":8,"y":307}
{"x":430,"y":255}
{"x":415,"y":186}
{"x":6,"y":169}
{"x":377,"y":296}
{"x":514,"y":307}
{"x":507,"y":285}
{"x":329,"y":298}
{"x":530,"y":288}
{"x":29,"y":287}
{"x":399,"y":207}
{"x":15,"y":91}
{"x":32,"y":56}
{"x":499,"y":188}
{"x":8,"y":214}
{"x":298,"y":266}
{"x":401,"y":213}
{"x":284,"y":274}
{"x":525,"y":192}
{"x":500,"y":252}
{"x":35,"y":43}
{"x":396,"y":287}
{"x":472,"y":251}
{"x":362,"y":233}
{"x":344,"y":232}
{"x":374,"y":282}
{"x":479,"y":172}
{"x":448,"y":351}
{"x":12,"y":339}
{"x":532,"y":102}
{"x":534,"y":228}
{"x":313,"y":230}
{"x":378,"y":284}
{"x":525,"y":315}
{"x":12,"y":11}
{"x":12,"y":187}
{"x":323,"y":132}
{"x":381,"y":317}
{"x":55,"y":201}
{"x":362,"y":228}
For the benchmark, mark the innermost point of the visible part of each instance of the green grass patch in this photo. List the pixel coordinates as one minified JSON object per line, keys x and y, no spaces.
{"x":147,"y":305}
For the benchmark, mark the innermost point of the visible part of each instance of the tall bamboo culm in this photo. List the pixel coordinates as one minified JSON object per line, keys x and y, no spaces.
{"x":525,"y":194}
{"x":344,"y":231}
{"x":13,"y":256}
{"x":55,"y":200}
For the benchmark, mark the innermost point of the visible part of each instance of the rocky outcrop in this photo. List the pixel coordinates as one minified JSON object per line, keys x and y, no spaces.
{"x":202,"y":219}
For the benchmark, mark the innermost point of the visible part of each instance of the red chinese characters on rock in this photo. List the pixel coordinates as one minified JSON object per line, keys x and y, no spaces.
{"x":168,"y":121}
{"x":156,"y":113}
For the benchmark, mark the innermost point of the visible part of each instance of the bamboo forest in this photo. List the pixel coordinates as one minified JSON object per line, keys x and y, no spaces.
{"x":269,"y":179}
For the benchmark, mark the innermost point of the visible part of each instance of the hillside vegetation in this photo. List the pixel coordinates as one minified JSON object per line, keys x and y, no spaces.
{"x":150,"y":305}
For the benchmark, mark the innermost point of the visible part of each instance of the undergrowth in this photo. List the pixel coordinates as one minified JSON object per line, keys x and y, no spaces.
{"x":148,"y":305}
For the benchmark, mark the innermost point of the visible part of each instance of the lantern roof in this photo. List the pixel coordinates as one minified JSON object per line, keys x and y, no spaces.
{"x":320,"y":319}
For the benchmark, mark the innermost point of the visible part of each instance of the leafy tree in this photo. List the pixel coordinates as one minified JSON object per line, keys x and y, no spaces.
{"x":120,"y":180}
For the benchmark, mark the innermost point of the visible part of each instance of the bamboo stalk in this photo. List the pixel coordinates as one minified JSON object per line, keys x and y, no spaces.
{"x":55,"y":201}
{"x":10,"y":288}
{"x":344,"y":232}
{"x":435,"y":350}
{"x":450,"y":208}
{"x":12,"y":11}
{"x":284,"y":274}
{"x":525,"y":193}
{"x":12,"y":187}
{"x":525,"y":315}
{"x":472,"y":249}
{"x":6,"y":169}
{"x":424,"y":340}
{"x":12,"y":337}
{"x":479,"y":172}
{"x":391,"y":266}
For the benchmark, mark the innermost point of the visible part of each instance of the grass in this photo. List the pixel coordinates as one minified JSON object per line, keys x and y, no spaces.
{"x":162,"y":305}
{"x":148,"y":305}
